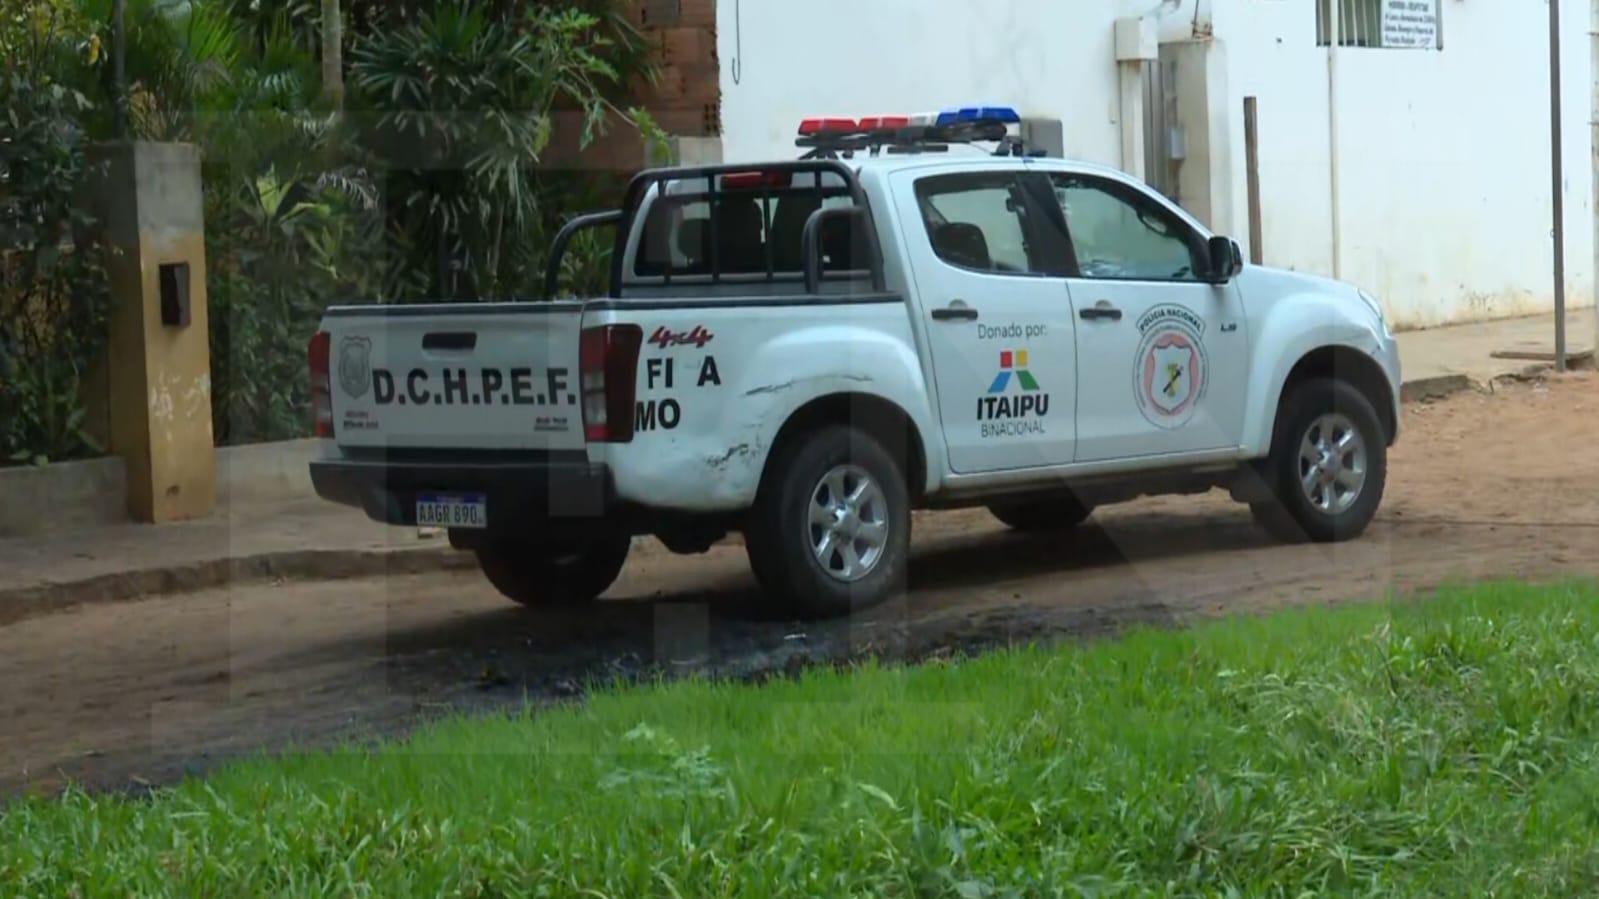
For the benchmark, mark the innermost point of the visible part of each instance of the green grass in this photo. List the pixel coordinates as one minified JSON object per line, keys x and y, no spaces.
{"x":1443,"y":748}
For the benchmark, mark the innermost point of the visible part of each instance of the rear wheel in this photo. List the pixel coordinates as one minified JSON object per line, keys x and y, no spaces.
{"x":830,"y":531}
{"x":1042,"y":517}
{"x":540,"y":575}
{"x":1328,"y":465}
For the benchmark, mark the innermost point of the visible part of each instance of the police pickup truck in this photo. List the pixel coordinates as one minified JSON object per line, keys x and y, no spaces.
{"x":805,"y":351}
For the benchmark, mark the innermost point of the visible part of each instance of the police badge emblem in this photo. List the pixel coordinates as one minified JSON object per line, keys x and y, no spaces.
{"x":1170,"y":367}
{"x":355,"y":366}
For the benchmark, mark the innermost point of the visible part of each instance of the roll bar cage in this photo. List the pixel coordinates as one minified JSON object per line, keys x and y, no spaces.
{"x":657,"y":179}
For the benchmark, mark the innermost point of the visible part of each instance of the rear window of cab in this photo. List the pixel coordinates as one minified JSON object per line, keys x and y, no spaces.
{"x":758,"y":226}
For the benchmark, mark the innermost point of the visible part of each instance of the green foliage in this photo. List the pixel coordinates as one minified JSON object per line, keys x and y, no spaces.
{"x":426,"y":186}
{"x":468,"y":220}
{"x":455,"y":106}
{"x":281,"y":250}
{"x":177,"y":54}
{"x":53,"y":289}
{"x":50,"y":41}
{"x":586,"y":267}
{"x":1442,"y":748}
{"x":283,"y":232}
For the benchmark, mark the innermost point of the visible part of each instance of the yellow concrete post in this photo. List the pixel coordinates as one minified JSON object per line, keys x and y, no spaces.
{"x":159,"y":356}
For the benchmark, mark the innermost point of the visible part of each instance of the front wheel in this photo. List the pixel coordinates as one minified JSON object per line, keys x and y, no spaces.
{"x":549,"y":576}
{"x":1328,"y":465}
{"x":830,"y":531}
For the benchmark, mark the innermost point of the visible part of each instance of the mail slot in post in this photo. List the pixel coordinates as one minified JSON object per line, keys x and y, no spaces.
{"x":175,"y":294}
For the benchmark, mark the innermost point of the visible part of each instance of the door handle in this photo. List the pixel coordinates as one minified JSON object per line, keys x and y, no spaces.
{"x":1093,"y":313}
{"x":955,"y":313}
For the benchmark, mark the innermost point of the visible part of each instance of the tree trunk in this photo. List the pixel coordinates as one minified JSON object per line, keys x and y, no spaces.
{"x":332,"y":54}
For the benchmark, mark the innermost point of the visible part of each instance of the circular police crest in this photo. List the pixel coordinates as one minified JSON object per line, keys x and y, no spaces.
{"x":355,"y":366}
{"x":1170,"y":369}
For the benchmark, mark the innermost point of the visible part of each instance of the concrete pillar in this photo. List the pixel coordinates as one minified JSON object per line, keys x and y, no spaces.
{"x":1204,"y":116}
{"x":1130,"y":77}
{"x":158,"y":361}
{"x":1137,"y":42}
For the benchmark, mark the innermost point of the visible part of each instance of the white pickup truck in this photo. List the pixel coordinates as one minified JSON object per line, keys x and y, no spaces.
{"x":805,"y":351}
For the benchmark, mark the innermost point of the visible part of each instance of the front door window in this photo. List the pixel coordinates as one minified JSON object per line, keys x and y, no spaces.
{"x":1119,"y":234}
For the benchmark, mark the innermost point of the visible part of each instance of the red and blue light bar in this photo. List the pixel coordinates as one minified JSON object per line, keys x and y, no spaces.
{"x":975,"y":114}
{"x":828,"y":125}
{"x":948,"y":118}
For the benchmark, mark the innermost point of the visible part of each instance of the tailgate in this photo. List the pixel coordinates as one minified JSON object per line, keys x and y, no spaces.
{"x":484,"y":376}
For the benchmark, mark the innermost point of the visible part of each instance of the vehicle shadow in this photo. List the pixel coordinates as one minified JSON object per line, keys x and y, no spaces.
{"x":724,"y":627}
{"x":949,"y":561}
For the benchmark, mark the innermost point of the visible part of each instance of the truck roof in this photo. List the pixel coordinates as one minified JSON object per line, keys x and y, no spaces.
{"x":956,"y":158}
{"x":884,"y":144}
{"x":965,"y":158}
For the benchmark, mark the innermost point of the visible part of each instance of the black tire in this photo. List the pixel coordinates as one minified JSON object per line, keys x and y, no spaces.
{"x":564,"y":576}
{"x":778,"y":536}
{"x":1293,"y":516}
{"x":1061,"y":514}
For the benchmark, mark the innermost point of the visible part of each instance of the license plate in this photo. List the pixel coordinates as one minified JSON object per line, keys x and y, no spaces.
{"x":469,"y":510}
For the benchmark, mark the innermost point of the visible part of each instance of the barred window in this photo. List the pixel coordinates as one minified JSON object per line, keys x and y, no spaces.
{"x":1391,"y":24}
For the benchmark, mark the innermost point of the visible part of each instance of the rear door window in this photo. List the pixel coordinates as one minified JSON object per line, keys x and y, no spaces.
{"x":978,"y":220}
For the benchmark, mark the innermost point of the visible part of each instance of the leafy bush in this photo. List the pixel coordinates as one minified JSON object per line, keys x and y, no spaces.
{"x":54,"y":297}
{"x":280,"y":252}
{"x":455,"y":106}
{"x":450,"y":104}
{"x":286,"y":231}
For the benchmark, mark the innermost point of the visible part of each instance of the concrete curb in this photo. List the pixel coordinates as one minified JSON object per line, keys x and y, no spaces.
{"x":18,"y":603}
{"x":1440,"y":386}
{"x":1433,"y":388}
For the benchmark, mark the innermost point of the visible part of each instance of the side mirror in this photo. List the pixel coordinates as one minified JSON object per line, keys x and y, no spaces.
{"x":1225,"y":259}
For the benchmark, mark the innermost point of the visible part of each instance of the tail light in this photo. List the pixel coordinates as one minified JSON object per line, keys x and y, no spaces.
{"x":608,"y":360}
{"x":319,"y":351}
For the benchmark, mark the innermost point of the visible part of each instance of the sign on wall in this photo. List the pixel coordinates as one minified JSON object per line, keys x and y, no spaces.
{"x":1410,"y":24}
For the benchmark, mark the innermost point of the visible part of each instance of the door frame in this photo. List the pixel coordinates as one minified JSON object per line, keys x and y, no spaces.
{"x":1047,"y":259}
{"x":1124,"y":189}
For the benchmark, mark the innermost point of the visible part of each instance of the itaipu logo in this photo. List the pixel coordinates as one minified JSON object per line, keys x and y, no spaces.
{"x":1012,"y":363}
{"x":355,"y":366}
{"x":1004,"y":413}
{"x":1170,"y":369}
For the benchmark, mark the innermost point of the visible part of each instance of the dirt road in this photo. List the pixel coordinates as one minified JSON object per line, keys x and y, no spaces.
{"x":1481,"y":485}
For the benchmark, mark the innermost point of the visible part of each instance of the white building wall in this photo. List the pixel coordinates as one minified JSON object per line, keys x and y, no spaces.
{"x":1053,"y":58}
{"x":1443,"y":156}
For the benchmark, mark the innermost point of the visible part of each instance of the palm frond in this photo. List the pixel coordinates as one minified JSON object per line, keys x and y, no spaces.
{"x":353,"y":183}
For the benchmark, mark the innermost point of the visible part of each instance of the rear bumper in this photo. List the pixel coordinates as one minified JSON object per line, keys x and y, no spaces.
{"x":523,"y":495}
